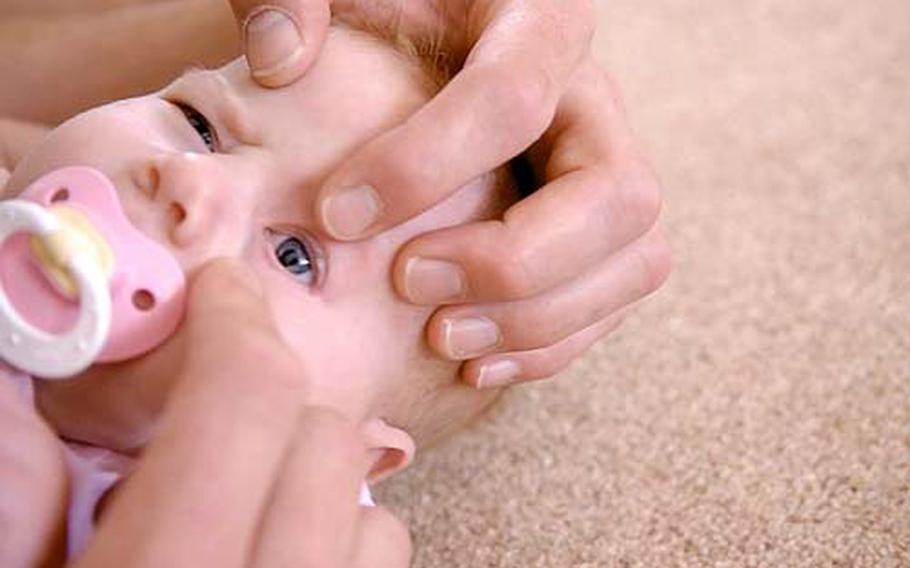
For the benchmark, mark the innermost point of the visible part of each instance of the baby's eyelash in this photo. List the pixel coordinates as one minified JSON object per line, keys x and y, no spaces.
{"x":200,"y":124}
{"x":298,"y":255}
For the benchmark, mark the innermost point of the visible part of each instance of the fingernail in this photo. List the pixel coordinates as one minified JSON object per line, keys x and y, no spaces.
{"x":350,"y":212}
{"x":273,"y":43}
{"x":470,"y":337}
{"x":498,"y":374}
{"x":430,"y":281}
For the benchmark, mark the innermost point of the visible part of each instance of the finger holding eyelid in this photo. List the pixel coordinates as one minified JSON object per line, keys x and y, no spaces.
{"x":497,"y":106}
{"x":601,"y":195}
{"x":527,"y":253}
{"x":505,"y":369}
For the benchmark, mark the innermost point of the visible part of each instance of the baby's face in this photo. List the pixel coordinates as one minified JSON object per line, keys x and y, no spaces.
{"x":215,"y":166}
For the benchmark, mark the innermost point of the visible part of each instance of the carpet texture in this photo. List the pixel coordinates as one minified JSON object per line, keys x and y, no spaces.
{"x":757,"y":411}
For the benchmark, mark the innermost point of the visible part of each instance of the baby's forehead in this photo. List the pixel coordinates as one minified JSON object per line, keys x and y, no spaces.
{"x":383,"y":48}
{"x":428,"y":63}
{"x":357,"y":72}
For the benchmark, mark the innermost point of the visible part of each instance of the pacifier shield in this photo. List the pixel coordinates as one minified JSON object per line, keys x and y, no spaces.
{"x":147,"y":285}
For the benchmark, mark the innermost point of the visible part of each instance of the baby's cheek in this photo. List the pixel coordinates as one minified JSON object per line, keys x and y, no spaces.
{"x":347,"y":351}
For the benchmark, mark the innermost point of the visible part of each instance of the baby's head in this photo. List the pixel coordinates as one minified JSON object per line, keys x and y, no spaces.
{"x":216,"y":166}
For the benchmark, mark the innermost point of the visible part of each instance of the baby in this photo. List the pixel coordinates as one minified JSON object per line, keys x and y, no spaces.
{"x":215,"y":166}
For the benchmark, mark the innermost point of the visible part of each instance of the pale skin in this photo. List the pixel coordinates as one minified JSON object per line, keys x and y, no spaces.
{"x":292,"y":501}
{"x":524,"y":295}
{"x":585,"y":146}
{"x":173,"y":511}
{"x":531,"y":291}
{"x":361,"y":349}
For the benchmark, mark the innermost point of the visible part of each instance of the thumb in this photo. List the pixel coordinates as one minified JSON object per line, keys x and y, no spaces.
{"x":281,"y":38}
{"x":225,"y":288}
{"x":384,"y":541}
{"x":229,"y":327}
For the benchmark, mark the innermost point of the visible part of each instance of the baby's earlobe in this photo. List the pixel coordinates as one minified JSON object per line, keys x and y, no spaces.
{"x":391,"y":449}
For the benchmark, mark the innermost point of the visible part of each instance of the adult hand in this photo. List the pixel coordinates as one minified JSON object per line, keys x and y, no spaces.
{"x":526,"y":294}
{"x":33,"y":483}
{"x":241,"y":472}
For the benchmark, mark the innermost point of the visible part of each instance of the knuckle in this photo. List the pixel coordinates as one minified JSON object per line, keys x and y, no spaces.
{"x":551,"y":361}
{"x":514,"y":274}
{"x":568,"y":30}
{"x":527,"y":101}
{"x":642,"y":198}
{"x":655,"y":264}
{"x":611,"y":87}
{"x":601,"y":87}
{"x":404,"y":169}
{"x":535,"y":327}
{"x":587,"y":18}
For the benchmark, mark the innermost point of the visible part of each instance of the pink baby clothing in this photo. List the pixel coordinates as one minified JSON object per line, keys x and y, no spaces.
{"x":93,"y":472}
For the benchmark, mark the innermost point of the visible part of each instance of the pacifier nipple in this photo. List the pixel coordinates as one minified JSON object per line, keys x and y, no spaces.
{"x":75,"y":235}
{"x":79,"y":284}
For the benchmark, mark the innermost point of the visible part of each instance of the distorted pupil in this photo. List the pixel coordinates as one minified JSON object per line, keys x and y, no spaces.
{"x":292,"y":255}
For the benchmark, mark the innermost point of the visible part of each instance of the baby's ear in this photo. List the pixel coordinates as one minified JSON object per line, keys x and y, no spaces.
{"x":392,"y":449}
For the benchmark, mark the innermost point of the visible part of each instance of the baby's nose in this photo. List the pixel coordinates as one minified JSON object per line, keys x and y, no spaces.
{"x":187,"y":186}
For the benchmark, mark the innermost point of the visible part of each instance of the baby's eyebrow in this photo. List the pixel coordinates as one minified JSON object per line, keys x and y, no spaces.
{"x":219,"y":90}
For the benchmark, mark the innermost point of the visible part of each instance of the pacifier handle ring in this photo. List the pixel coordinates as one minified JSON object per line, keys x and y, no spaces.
{"x":32,"y":350}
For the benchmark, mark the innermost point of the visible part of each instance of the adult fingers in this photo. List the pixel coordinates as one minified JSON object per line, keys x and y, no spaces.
{"x":500,"y":370}
{"x":281,"y":38}
{"x":33,"y":485}
{"x":497,"y":106}
{"x":602,"y":197}
{"x":313,"y":514}
{"x":470,"y":331}
{"x":197,"y":496}
{"x":384,"y":541}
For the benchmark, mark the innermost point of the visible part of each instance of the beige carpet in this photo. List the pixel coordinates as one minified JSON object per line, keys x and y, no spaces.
{"x":757,"y":412}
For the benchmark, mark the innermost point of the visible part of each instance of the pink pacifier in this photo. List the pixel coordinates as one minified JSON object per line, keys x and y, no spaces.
{"x":78,"y":283}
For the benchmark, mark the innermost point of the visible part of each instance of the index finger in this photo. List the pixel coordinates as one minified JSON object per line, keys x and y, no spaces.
{"x":197,"y":495}
{"x":314,"y":515}
{"x":496,"y":107}
{"x":600,"y":196}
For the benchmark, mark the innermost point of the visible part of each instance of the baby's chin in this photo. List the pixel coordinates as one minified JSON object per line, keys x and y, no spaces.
{"x":116,"y":406}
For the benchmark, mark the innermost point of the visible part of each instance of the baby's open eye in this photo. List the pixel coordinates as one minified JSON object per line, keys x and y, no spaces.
{"x":294,"y":255}
{"x":201,"y":125}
